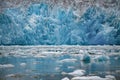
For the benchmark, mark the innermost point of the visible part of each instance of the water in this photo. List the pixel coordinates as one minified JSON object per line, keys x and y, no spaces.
{"x":28,"y":65}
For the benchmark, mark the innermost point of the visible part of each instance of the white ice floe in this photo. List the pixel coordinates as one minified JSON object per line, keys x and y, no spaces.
{"x":117,"y":71}
{"x":75,"y":73}
{"x":51,"y":53}
{"x":57,"y":69}
{"x":81,"y":51}
{"x":108,"y":77}
{"x":6,"y":65}
{"x":66,"y":78}
{"x":23,"y":64}
{"x":10,"y":75}
{"x":45,"y":54}
{"x":71,"y":67}
{"x":67,"y":60}
{"x":40,"y":56}
{"x":87,"y":78}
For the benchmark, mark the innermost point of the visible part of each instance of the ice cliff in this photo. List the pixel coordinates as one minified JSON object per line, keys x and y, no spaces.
{"x":56,"y":22}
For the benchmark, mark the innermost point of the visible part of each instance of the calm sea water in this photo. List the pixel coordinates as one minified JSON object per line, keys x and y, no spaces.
{"x":53,"y":67}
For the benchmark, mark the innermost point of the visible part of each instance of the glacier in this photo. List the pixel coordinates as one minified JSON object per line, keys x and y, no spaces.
{"x":45,"y":23}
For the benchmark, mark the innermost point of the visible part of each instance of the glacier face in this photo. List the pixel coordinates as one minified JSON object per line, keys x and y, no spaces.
{"x":47,"y":24}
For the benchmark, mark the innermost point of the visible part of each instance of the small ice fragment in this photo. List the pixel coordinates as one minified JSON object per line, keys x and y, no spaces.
{"x":39,"y":56}
{"x":10,"y":75}
{"x":110,"y":77}
{"x":63,"y":73}
{"x":6,"y":66}
{"x":57,"y":68}
{"x":66,"y":78}
{"x":71,"y":67}
{"x":101,"y":58}
{"x":117,"y":71}
{"x":81,"y":51}
{"x":23,"y":64}
{"x":68,"y":60}
{"x":77,"y":73}
{"x":117,"y":58}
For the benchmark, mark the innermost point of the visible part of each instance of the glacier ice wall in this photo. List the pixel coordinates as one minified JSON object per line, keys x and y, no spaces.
{"x":56,"y":22}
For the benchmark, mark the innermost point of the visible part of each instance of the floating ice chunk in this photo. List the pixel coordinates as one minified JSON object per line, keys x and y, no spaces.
{"x":83,"y":57}
{"x":51,"y":53}
{"x":39,"y":56}
{"x":6,"y":66}
{"x":87,"y":78}
{"x":23,"y":64}
{"x":110,"y":77}
{"x":15,"y":75}
{"x":10,"y":75}
{"x":101,"y":58}
{"x":78,"y":55}
{"x":57,"y":69}
{"x":77,"y":73}
{"x":117,"y":71}
{"x":71,"y":67}
{"x":67,"y":60}
{"x":66,"y":78}
{"x":81,"y":51}
{"x":86,"y":57}
{"x":116,"y":58}
{"x":45,"y":54}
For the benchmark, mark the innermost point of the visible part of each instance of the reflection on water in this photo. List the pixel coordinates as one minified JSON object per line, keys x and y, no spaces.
{"x":51,"y":68}
{"x":55,"y":67}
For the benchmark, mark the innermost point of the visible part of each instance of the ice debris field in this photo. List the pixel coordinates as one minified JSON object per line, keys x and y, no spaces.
{"x":60,"y":62}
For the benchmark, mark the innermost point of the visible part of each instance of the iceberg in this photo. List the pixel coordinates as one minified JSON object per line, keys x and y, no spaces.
{"x":86,"y":58}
